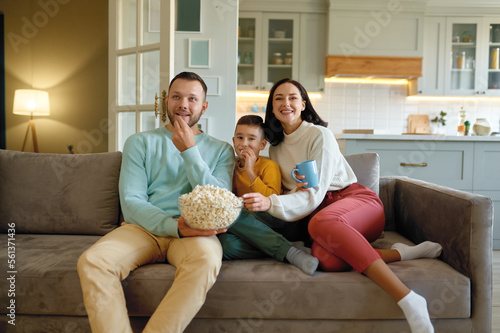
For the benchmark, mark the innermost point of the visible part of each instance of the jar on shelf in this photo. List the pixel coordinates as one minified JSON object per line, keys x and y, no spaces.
{"x":288,"y":58}
{"x":470,"y":63}
{"x":466,"y":37}
{"x":277,"y":58}
{"x":481,"y":127}
{"x":461,"y":60}
{"x":247,"y":58}
{"x":494,"y":58}
{"x":251,"y":32}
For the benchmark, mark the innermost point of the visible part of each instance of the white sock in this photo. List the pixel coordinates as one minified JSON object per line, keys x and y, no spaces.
{"x":425,"y":249}
{"x":306,"y":262}
{"x":414,"y":307}
{"x":300,"y":245}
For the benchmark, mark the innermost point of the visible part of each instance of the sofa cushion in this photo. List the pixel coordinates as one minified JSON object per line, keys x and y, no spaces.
{"x":47,"y":283}
{"x":46,"y":279}
{"x":366,"y":168}
{"x":59,"y":193}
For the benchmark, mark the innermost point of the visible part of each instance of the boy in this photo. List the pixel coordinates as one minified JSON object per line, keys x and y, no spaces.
{"x":249,"y":238}
{"x":253,"y":173}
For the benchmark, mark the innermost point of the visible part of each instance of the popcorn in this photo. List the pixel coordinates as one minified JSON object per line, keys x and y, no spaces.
{"x":210,"y":207}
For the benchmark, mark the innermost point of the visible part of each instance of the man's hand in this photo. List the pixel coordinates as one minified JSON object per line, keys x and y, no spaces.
{"x":183,"y":137}
{"x":256,"y":202}
{"x":186,"y":231}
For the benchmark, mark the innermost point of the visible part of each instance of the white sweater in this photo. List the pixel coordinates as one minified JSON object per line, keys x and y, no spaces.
{"x":308,"y":142}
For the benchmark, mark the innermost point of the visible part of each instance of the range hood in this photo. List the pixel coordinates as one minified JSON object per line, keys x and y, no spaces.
{"x":373,"y":66}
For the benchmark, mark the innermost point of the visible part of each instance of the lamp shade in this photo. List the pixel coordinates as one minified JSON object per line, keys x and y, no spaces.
{"x":30,"y":102}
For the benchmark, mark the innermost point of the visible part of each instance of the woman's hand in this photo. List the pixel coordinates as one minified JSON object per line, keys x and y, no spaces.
{"x":256,"y":202}
{"x":187,"y":231}
{"x":300,"y":186}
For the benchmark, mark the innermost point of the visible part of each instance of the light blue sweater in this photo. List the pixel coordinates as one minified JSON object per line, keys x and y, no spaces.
{"x":154,"y":174}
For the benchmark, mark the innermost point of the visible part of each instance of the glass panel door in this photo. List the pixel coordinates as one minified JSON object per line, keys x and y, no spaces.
{"x":136,"y":65}
{"x":249,"y":36}
{"x":494,"y":57}
{"x":463,"y":56}
{"x":280,"y":50}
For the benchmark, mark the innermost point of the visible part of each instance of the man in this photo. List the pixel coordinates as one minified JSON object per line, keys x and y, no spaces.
{"x":159,"y":166}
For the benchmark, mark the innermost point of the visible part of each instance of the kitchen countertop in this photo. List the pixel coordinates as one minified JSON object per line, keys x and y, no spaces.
{"x":417,"y":137}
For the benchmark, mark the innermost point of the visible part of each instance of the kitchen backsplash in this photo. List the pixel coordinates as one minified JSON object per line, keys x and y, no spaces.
{"x":385,"y":108}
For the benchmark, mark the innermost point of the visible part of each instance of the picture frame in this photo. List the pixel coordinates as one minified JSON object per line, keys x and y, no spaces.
{"x":213,"y":85}
{"x":188,"y":16}
{"x":199,"y":52}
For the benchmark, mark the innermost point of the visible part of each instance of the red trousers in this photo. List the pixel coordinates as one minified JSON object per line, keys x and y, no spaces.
{"x":343,"y":226}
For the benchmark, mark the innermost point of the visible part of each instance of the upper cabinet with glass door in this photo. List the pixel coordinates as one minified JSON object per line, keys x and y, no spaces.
{"x":472,"y":67}
{"x":462,"y":60}
{"x":493,"y":49}
{"x":267,"y":44}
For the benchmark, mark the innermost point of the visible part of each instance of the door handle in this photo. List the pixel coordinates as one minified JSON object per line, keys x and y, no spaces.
{"x":414,"y":164}
{"x":163,"y":112}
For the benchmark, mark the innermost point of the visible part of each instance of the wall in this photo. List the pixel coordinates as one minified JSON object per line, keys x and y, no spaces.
{"x":59,"y":46}
{"x":219,"y":22}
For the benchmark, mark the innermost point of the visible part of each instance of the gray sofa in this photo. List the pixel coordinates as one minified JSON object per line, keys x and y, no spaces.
{"x":54,"y":206}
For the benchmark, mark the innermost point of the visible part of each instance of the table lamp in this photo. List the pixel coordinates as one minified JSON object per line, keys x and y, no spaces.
{"x":30,"y":102}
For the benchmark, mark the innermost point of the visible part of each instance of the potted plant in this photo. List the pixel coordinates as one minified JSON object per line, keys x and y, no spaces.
{"x":438,"y":123}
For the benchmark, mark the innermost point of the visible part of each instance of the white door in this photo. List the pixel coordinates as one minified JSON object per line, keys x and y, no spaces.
{"x":141,"y":48}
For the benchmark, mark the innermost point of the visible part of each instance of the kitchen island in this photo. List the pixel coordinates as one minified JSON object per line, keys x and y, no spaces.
{"x":468,"y":163}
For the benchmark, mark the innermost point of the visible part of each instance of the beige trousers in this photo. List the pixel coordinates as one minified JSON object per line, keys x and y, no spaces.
{"x":114,"y":256}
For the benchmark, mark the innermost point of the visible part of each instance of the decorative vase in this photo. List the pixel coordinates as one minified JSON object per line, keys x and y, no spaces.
{"x":481,"y":127}
{"x":436,"y":128}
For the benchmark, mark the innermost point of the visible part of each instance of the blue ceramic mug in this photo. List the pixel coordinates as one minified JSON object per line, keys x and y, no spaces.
{"x":308,"y":169}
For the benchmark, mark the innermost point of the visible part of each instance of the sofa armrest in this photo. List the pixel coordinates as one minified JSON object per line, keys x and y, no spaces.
{"x":460,"y":221}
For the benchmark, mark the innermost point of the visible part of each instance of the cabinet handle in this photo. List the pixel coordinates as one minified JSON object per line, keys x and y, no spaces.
{"x":414,"y":164}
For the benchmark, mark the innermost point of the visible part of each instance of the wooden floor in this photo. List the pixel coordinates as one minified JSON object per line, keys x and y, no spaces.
{"x":496,"y":292}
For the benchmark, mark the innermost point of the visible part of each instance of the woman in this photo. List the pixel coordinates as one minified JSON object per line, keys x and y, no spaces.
{"x":344,"y":215}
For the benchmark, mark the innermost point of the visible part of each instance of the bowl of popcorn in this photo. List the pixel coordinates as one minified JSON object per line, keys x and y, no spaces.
{"x":210,"y":207}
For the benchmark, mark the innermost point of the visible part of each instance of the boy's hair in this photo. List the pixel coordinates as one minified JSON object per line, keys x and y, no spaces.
{"x":252,"y":120}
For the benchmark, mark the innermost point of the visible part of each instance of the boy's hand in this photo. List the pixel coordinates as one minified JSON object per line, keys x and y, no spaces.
{"x":249,"y":156}
{"x":183,"y":137}
{"x":256,"y":202}
{"x":187,"y":231}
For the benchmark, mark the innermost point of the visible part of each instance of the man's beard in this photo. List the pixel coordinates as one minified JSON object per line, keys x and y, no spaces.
{"x":191,"y":123}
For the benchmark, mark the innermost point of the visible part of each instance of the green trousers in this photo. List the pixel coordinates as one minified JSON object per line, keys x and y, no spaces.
{"x":252,"y":236}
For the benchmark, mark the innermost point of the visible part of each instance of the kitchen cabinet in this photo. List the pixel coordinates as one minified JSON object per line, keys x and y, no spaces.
{"x":464,"y":163}
{"x":268,"y":48}
{"x":389,"y":31}
{"x":443,"y":163}
{"x":432,"y":80}
{"x":312,"y":54}
{"x":272,"y":46}
{"x":461,"y":56}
